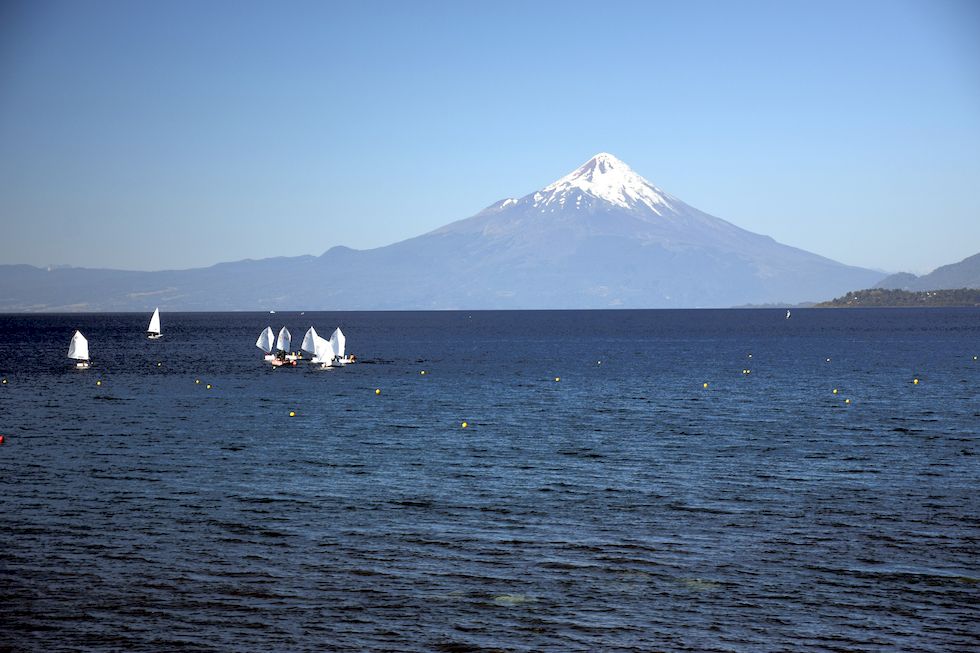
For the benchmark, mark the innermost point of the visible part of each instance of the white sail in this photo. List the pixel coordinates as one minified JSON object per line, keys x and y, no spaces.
{"x":323,"y":350}
{"x":154,"y":322}
{"x":284,"y":339}
{"x":265,"y":340}
{"x":309,"y":341}
{"x":78,"y":349}
{"x":340,"y":342}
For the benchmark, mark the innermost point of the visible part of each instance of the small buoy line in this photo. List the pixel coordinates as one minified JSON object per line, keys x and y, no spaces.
{"x":293,"y":358}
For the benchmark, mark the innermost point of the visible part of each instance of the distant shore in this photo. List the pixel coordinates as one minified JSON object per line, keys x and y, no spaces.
{"x":882,"y":298}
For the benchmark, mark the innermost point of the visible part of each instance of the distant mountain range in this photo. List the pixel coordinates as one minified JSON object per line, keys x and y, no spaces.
{"x":599,"y":237}
{"x":965,"y":274}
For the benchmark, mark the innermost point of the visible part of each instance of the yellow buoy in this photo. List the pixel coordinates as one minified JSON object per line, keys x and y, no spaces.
{"x":557,"y":379}
{"x":704,"y":385}
{"x":422,"y":372}
{"x":835,"y":390}
{"x":98,"y":383}
{"x":750,"y":355}
{"x":377,"y":391}
{"x":208,"y":386}
{"x":600,"y":362}
{"x":292,"y":413}
{"x":4,"y":382}
{"x":847,"y":401}
{"x":828,"y":360}
{"x":915,"y":381}
{"x":464,"y":425}
{"x":159,"y":364}
{"x":197,"y":381}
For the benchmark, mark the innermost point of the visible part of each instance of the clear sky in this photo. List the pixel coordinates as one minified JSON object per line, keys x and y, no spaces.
{"x":152,"y":135}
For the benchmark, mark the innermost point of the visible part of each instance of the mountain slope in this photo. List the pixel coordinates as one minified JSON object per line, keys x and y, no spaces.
{"x":965,"y":274}
{"x":599,"y":237}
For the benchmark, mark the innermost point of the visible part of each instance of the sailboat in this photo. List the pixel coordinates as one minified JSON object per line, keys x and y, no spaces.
{"x":265,"y":341}
{"x":283,"y":357}
{"x":309,"y":341}
{"x":78,"y":349}
{"x":787,"y":314}
{"x":339,"y":342}
{"x":322,"y":349}
{"x":153,"y":330}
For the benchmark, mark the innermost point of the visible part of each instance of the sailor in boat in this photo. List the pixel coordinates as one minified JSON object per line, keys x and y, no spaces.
{"x":282,"y":345}
{"x":282,"y":358}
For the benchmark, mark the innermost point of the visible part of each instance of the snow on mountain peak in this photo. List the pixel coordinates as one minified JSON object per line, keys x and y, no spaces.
{"x":607,"y":178}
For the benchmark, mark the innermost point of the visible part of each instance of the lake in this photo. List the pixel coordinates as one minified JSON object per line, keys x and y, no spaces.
{"x":600,"y":498}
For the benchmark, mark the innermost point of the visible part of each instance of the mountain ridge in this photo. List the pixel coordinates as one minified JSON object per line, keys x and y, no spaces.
{"x":962,"y":274}
{"x":601,"y":236}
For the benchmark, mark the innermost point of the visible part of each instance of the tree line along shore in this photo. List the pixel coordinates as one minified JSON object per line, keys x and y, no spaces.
{"x":880,"y":297}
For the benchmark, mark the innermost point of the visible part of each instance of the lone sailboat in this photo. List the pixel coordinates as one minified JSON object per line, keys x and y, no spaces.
{"x":78,"y":350}
{"x":787,"y":314}
{"x":153,"y":330}
{"x":265,"y":342}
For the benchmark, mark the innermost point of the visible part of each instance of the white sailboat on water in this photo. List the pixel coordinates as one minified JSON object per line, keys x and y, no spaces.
{"x":321,"y":349}
{"x":787,"y":314}
{"x":283,"y":356}
{"x":153,"y":330}
{"x":309,"y":341}
{"x":265,"y":342}
{"x":339,"y":343}
{"x":78,"y":350}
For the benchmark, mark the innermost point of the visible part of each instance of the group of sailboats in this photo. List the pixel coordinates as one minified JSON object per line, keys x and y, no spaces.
{"x":78,"y":347}
{"x":325,"y":353}
{"x":269,"y":343}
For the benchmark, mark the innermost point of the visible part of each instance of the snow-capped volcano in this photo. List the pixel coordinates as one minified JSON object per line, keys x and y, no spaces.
{"x":603,"y":196}
{"x":609,"y":237}
{"x":601,"y":236}
{"x":603,"y":177}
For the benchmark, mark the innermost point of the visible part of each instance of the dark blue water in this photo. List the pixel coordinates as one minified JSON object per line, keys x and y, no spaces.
{"x":622,"y":508}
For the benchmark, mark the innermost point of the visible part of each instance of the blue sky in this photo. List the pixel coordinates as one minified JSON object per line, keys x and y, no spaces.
{"x":151,"y":135}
